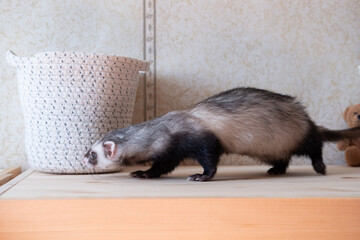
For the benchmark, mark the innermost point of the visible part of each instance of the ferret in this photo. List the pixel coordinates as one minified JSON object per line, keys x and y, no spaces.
{"x":264,"y":125}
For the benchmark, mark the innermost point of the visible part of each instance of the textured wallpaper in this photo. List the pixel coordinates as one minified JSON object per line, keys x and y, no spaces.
{"x":29,"y":27}
{"x":309,"y":49}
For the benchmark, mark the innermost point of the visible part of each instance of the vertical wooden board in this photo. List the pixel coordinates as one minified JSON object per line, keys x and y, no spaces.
{"x":4,"y":178}
{"x":15,"y":181}
{"x":179,"y":218}
{"x":150,"y":51}
{"x":8,"y":174}
{"x":13,"y":171}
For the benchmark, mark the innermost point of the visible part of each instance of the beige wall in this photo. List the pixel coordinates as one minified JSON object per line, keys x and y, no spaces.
{"x":309,"y":49}
{"x":29,"y":27}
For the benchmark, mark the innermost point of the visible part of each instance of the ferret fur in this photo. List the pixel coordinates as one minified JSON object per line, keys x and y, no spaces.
{"x":261,"y":124}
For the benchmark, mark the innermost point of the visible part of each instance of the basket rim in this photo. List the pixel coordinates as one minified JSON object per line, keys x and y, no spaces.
{"x":77,"y":55}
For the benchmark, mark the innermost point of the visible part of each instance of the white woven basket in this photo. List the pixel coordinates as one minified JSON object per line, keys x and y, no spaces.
{"x":70,"y":100}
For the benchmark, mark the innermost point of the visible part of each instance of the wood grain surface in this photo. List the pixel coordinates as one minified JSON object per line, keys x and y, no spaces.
{"x":208,"y":218}
{"x":241,"y":203}
{"x":230,"y":181}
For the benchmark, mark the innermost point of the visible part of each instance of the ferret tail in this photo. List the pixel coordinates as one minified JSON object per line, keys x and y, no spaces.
{"x":328,"y":135}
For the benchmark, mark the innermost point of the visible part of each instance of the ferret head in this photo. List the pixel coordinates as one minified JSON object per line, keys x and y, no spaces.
{"x":126,"y":146}
{"x":352,"y":116}
{"x":103,"y":154}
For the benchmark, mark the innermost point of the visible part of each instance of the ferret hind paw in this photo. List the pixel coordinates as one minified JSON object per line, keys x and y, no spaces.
{"x":199,"y":177}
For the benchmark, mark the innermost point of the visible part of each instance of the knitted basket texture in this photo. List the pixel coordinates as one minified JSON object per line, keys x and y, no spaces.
{"x":69,"y":101}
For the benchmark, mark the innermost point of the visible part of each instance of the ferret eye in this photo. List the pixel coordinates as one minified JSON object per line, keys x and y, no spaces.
{"x":93,"y":155}
{"x":355,"y":113}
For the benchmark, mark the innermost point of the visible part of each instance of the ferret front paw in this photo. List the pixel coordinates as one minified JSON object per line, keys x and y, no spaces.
{"x":144,"y":174}
{"x":276,"y":171}
{"x":199,"y":177}
{"x":139,"y":174}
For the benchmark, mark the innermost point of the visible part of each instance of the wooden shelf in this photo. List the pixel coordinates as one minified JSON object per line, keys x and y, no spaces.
{"x":8,"y":174}
{"x":242,"y":202}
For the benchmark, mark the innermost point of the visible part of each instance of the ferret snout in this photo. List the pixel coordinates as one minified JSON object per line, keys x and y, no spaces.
{"x":93,"y":161}
{"x":90,"y":158}
{"x":85,"y":160}
{"x":88,"y":161}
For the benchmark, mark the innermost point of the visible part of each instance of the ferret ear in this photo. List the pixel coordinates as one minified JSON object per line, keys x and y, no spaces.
{"x":346,"y":112}
{"x":110,"y":148}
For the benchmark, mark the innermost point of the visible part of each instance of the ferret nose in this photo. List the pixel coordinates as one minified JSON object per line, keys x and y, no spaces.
{"x":85,"y":160}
